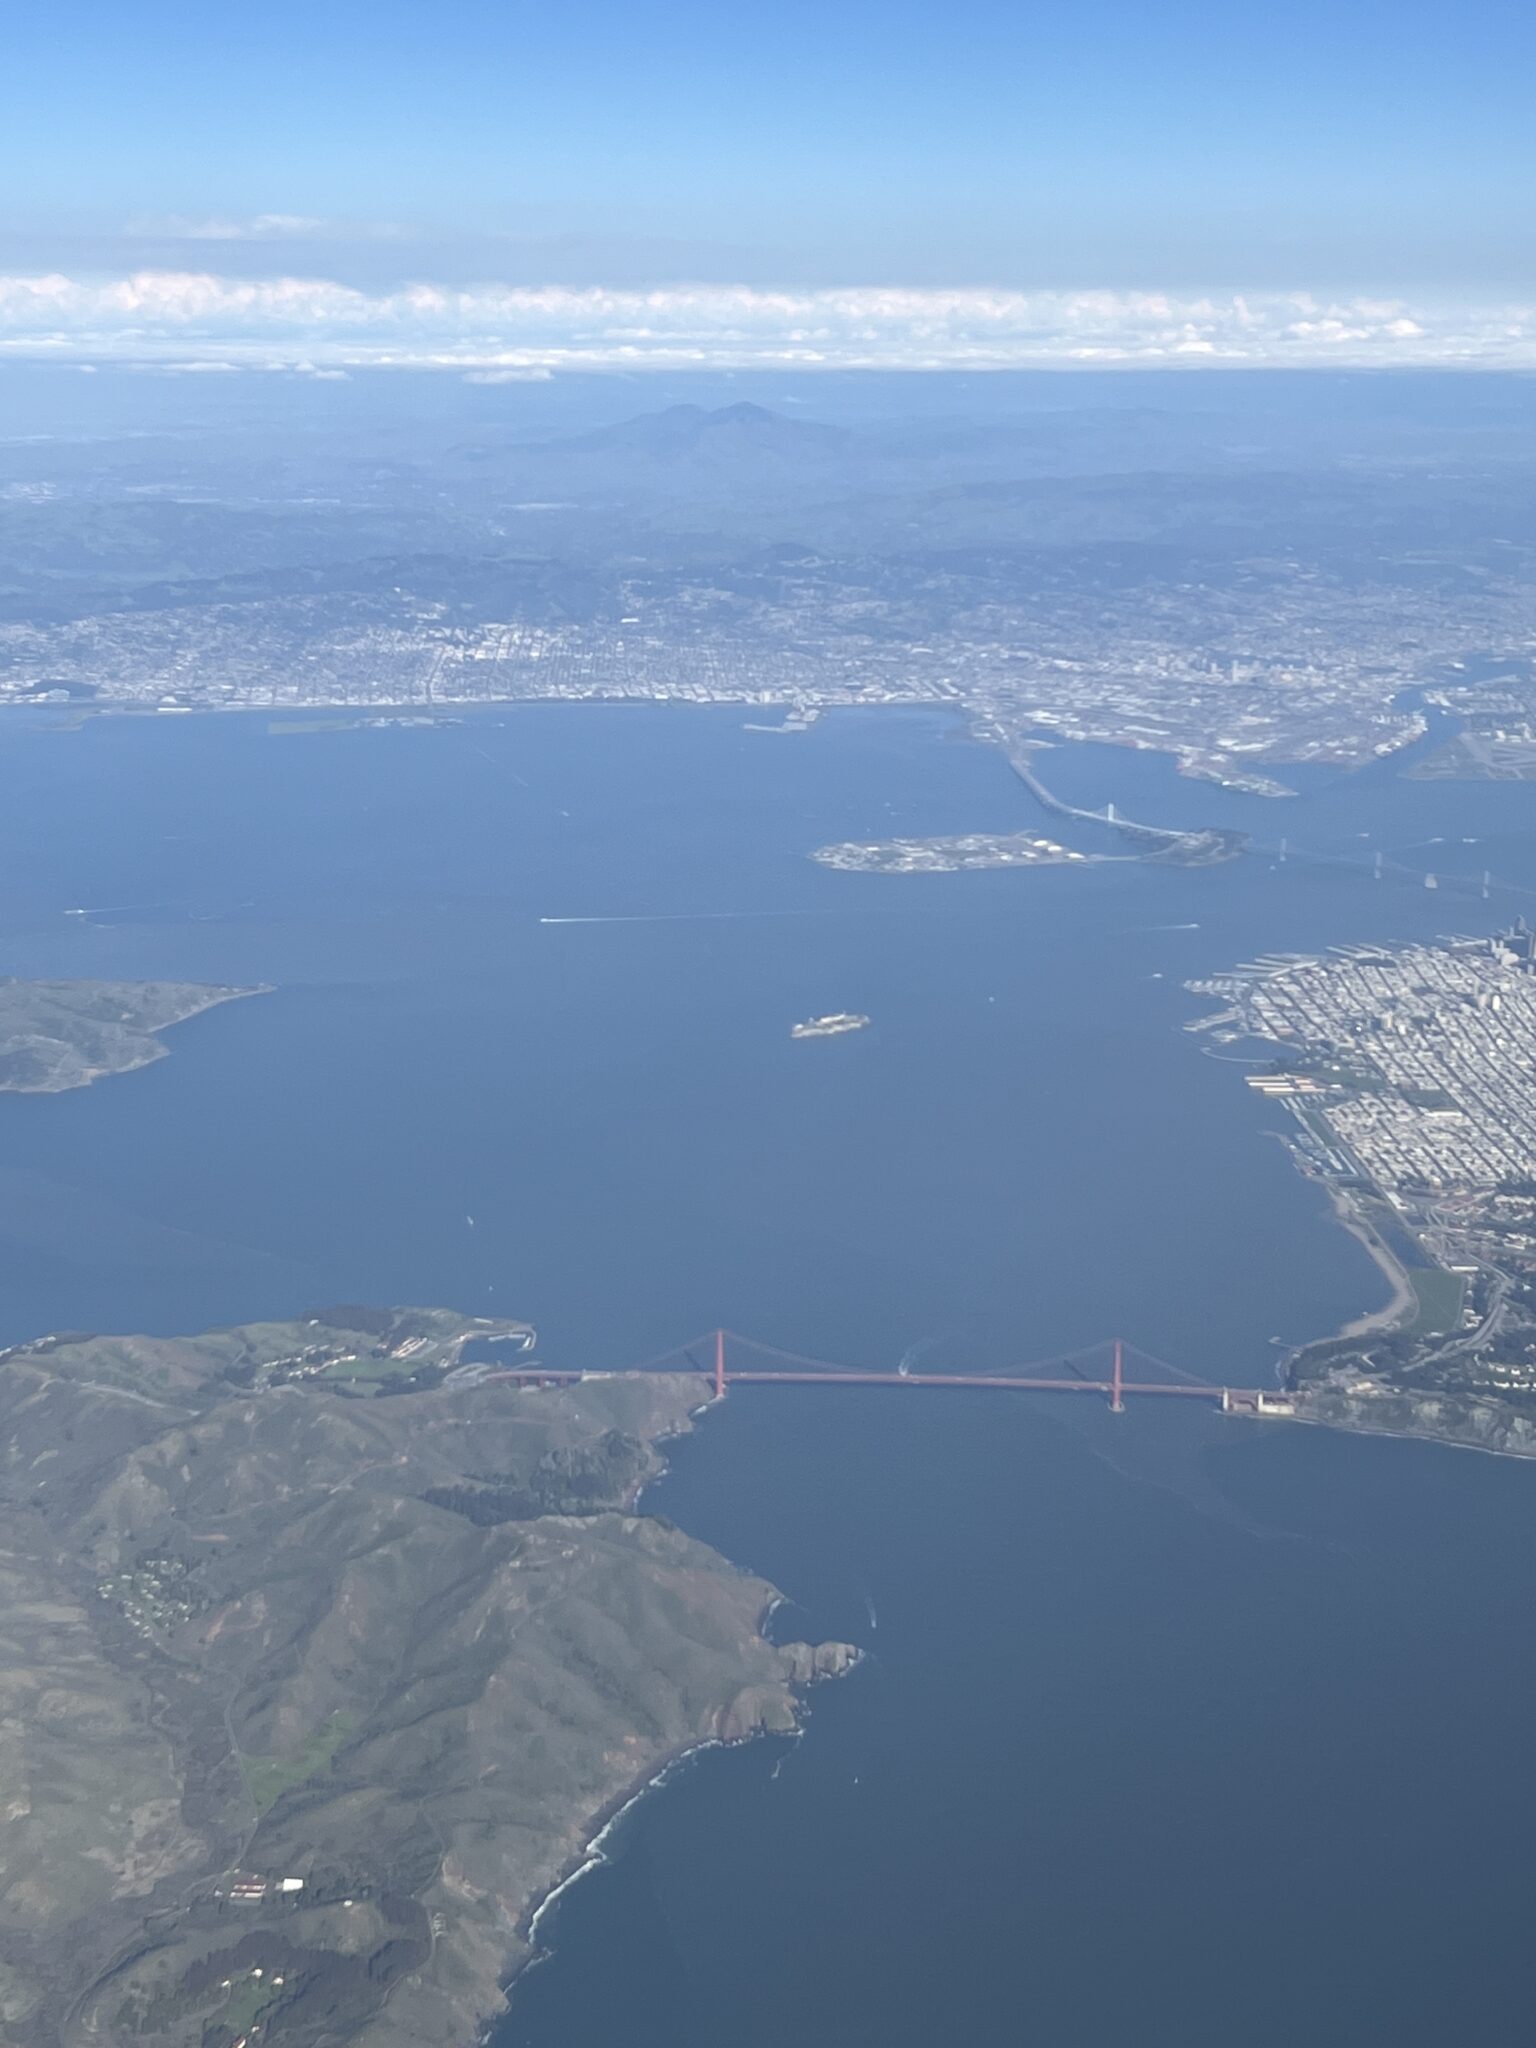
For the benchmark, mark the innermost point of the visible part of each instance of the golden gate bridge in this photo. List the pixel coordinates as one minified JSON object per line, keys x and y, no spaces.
{"x":1113,"y":1370}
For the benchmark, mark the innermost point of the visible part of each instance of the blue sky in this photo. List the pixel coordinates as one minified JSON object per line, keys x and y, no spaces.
{"x":1357,"y":152}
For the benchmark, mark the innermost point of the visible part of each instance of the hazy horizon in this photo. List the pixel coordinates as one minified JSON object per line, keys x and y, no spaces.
{"x":486,"y":191}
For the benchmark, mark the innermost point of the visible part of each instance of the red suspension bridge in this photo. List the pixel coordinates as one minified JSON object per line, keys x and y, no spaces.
{"x":1114,"y":1370}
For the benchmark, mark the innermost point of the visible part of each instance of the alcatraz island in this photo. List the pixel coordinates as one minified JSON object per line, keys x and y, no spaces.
{"x":1409,"y":1076}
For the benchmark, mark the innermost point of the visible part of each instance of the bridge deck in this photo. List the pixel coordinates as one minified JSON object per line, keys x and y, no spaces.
{"x":1195,"y":1391}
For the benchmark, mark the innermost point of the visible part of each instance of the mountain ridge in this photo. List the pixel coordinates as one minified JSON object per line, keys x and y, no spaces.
{"x":324,"y":1654}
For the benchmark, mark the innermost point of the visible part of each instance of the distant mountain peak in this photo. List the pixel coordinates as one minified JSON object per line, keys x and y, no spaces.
{"x":749,"y":414}
{"x":684,"y":432}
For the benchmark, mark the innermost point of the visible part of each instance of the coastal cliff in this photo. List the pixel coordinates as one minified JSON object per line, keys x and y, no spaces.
{"x":326,"y":1656}
{"x":1448,"y":1418}
{"x":57,"y":1035}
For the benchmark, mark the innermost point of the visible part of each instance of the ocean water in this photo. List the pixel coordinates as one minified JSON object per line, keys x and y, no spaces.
{"x":1171,"y":1729}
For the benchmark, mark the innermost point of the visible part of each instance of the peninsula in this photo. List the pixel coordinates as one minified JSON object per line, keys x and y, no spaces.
{"x":1409,"y":1074}
{"x":326,"y":1654}
{"x":56,"y":1035}
{"x":1495,"y":740}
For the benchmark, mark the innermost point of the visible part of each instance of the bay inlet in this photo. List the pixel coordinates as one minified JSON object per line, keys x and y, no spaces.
{"x":1171,"y":1727}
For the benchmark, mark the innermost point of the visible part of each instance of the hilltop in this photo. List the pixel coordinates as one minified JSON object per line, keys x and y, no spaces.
{"x":56,"y":1035}
{"x":725,"y":434}
{"x":324,"y":1655}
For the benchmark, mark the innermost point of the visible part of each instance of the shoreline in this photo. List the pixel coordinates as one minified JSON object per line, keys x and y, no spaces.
{"x":1395,"y":1313}
{"x":1403,"y":1299}
{"x":1188,"y":761}
{"x":593,"y":1854}
{"x":602,"y":1825}
{"x":155,"y":1047}
{"x":1407,"y":1436}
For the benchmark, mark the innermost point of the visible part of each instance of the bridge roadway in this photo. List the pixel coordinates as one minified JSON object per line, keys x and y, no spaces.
{"x":978,"y":1379}
{"x":1112,"y":1390}
{"x":709,"y":1358}
{"x":1019,"y":762}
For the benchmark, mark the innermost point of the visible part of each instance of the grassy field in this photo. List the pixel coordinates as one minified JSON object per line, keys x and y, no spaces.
{"x":267,"y":1778}
{"x":1440,"y":1296}
{"x":371,"y":1368}
{"x":247,"y":2001}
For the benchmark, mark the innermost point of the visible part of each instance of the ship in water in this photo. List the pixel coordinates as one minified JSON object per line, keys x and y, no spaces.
{"x":832,"y":1026}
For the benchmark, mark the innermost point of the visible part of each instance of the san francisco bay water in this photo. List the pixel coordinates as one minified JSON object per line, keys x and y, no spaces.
{"x":1170,"y":1729}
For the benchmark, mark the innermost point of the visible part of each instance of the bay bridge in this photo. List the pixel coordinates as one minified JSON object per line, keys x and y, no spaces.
{"x":1114,"y":1371}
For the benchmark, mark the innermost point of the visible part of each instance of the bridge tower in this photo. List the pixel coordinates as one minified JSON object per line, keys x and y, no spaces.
{"x":719,"y":1365}
{"x":1117,"y":1383}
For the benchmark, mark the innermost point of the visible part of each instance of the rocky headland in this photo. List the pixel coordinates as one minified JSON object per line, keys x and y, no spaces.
{"x":56,"y":1035}
{"x":325,"y":1654}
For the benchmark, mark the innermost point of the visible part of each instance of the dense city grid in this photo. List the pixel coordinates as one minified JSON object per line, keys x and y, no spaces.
{"x":1448,"y":1036}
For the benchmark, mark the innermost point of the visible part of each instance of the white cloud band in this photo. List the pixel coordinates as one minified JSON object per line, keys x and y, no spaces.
{"x":173,"y":316}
